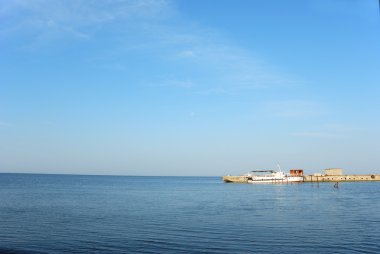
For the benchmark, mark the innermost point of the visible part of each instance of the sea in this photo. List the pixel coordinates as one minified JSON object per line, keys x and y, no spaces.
{"x":142,"y":214}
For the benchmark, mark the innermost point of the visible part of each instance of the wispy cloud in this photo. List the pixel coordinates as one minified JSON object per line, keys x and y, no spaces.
{"x":343,"y":128}
{"x":78,"y":18}
{"x":81,"y":12}
{"x":295,"y":108}
{"x":187,"y":53}
{"x":315,"y":134}
{"x":186,"y":84}
{"x":195,"y":53}
{"x":233,"y":68}
{"x":332,"y":130}
{"x":210,"y":91}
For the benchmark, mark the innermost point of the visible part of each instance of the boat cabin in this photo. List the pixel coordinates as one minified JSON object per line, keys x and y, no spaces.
{"x":296,"y":172}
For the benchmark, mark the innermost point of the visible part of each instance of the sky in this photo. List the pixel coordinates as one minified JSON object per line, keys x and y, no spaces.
{"x":199,"y":88}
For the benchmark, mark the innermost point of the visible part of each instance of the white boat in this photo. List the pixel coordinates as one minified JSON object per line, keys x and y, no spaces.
{"x":272,"y":176}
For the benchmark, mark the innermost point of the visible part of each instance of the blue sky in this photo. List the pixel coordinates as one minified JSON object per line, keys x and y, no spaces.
{"x":189,"y":87}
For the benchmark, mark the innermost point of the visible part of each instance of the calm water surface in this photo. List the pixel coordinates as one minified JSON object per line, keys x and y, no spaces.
{"x":119,"y":214}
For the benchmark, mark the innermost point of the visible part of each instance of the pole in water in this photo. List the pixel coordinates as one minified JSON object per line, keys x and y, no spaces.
{"x":336,"y":185}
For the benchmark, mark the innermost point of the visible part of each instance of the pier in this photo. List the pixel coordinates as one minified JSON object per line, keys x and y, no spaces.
{"x":330,"y":175}
{"x":313,"y":178}
{"x":342,"y":178}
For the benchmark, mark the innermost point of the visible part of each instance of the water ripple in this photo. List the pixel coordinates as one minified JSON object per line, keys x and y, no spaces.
{"x":100,"y":214}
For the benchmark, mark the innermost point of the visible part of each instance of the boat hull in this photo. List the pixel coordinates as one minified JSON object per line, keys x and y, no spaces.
{"x":290,"y":179}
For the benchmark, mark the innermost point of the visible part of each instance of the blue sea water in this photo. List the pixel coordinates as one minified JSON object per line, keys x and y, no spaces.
{"x":125,"y":214}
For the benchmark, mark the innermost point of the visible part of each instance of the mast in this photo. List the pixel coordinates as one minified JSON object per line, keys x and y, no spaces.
{"x":279,"y":168}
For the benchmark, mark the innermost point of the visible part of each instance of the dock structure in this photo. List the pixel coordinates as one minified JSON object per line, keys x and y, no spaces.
{"x":336,"y":175}
{"x":341,"y":178}
{"x":330,"y":175}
